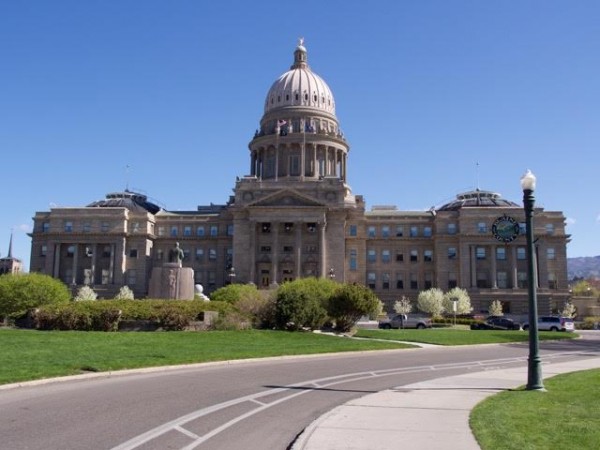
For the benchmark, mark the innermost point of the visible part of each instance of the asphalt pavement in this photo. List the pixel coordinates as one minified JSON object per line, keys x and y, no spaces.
{"x":427,"y":415}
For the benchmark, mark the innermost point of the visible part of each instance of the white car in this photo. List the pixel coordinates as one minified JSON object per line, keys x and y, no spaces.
{"x":553,"y":323}
{"x":404,"y":321}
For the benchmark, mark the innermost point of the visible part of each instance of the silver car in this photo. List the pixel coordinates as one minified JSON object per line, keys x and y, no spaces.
{"x":553,"y":323}
{"x":404,"y":321}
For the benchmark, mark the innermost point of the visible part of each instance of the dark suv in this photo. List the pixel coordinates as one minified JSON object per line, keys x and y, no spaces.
{"x":553,"y":323}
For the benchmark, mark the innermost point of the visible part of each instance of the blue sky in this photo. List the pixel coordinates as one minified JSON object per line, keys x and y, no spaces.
{"x":435,"y":98}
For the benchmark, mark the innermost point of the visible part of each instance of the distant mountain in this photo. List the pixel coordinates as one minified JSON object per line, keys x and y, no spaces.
{"x":583,"y":267}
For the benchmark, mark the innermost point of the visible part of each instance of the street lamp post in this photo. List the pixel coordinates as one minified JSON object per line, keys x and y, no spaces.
{"x":331,"y":274}
{"x":534,"y":367}
{"x":231,"y":274}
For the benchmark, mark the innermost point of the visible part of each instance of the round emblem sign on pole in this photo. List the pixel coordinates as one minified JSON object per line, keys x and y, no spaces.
{"x":505,"y":229}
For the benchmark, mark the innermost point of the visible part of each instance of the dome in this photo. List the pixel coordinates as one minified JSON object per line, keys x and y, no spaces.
{"x":300,"y":86}
{"x":131,"y":200}
{"x":477,"y":199}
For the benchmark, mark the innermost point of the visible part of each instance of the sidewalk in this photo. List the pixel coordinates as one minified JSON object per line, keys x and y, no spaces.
{"x":427,"y":415}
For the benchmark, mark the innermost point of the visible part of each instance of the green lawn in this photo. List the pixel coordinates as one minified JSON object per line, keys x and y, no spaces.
{"x":567,"y":416}
{"x":444,"y":336}
{"x":30,"y":354}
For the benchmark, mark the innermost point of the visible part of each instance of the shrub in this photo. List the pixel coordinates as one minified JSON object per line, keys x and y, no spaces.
{"x":232,"y":293}
{"x":403,"y":306}
{"x":259,"y":309}
{"x":463,"y":301}
{"x":107,"y":320}
{"x":349,"y":303}
{"x":19,"y":293}
{"x":125,"y":293}
{"x":233,"y":321}
{"x":85,"y":293}
{"x":431,"y":302}
{"x":302,"y":303}
{"x":173,"y":318}
{"x":496,"y":308}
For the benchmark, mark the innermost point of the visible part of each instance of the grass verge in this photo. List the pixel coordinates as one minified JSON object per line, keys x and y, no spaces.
{"x":30,"y":354}
{"x":442,"y":336}
{"x":566,"y":416}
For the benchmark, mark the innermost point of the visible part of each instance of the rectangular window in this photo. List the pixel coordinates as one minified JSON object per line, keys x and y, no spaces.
{"x":521,"y":254}
{"x":159,"y":254}
{"x":522,"y":280}
{"x":265,"y":227}
{"x":45,"y":227}
{"x":294,"y":165}
{"x":502,"y":280}
{"x":105,"y":276}
{"x":200,"y":231}
{"x":399,"y":231}
{"x":550,"y":253}
{"x":311,"y":227}
{"x":385,"y":256}
{"x":414,"y":255}
{"x":311,"y":248}
{"x":371,"y":231}
{"x":174,"y":231}
{"x":385,"y":231}
{"x":500,"y":253}
{"x":161,"y":231}
{"x":68,"y":226}
{"x":131,"y":277}
{"x":212,"y":254}
{"x":288,"y":227}
{"x":70,"y":251}
{"x":43,"y":250}
{"x":212,"y":279}
{"x":288,"y":249}
{"x":482,"y":280}
{"x":428,"y":255}
{"x":371,"y":256}
{"x":353,"y":257}
{"x":414,"y":231}
{"x":482,"y":227}
{"x":428,"y":282}
{"x":549,"y":228}
{"x":87,"y":227}
{"x":265,"y":249}
{"x":451,"y":228}
{"x":399,"y":281}
{"x":371,"y":280}
{"x":104,"y":227}
{"x":427,"y":231}
{"x":187,"y":230}
{"x":452,"y":283}
{"x":106,"y":251}
{"x":214,"y":230}
{"x":414,"y":281}
{"x":385,"y":280}
{"x":198,"y":278}
{"x":353,"y":230}
{"x":186,"y":254}
{"x":230,"y":230}
{"x":552,"y":284}
{"x":399,"y":256}
{"x":199,"y":254}
{"x":451,"y":252}
{"x":133,"y":253}
{"x":480,"y":253}
{"x":522,"y":228}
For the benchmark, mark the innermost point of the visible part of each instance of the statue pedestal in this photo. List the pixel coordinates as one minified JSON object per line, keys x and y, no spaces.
{"x":171,"y":281}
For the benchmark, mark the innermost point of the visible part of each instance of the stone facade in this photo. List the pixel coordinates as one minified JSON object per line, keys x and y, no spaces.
{"x":295,"y":216}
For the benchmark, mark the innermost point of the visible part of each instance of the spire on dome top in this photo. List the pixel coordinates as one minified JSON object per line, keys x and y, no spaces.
{"x":10,"y":245}
{"x":300,"y":56}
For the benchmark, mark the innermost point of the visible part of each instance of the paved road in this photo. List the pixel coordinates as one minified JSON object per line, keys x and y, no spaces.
{"x":251,"y":405}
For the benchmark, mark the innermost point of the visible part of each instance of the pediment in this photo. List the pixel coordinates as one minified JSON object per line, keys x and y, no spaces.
{"x":287,"y":198}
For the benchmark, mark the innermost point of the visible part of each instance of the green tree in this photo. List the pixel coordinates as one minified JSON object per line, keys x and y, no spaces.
{"x":349,"y":303}
{"x":19,"y":293}
{"x":302,"y":303}
{"x":583,"y":288}
{"x":403,"y":306}
{"x":234,"y":292}
{"x":431,"y":302}
{"x":463,"y":301}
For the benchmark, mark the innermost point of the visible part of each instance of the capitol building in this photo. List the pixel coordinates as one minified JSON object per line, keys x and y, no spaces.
{"x":294,"y":215}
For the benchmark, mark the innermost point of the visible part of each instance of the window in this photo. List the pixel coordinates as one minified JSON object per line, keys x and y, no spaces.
{"x":414,"y":231}
{"x":451,"y":252}
{"x":159,"y":255}
{"x":428,"y":255}
{"x":311,"y":248}
{"x":43,"y":250}
{"x":371,"y":256}
{"x":550,"y":253}
{"x":399,"y":256}
{"x":199,"y":254}
{"x":552,"y":284}
{"x":106,"y":251}
{"x":385,"y":280}
{"x":482,"y":227}
{"x":500,"y":253}
{"x":414,"y":282}
{"x":399,"y":231}
{"x":68,"y":226}
{"x":522,"y":280}
{"x":265,"y":227}
{"x":399,"y":281}
{"x":427,"y":231}
{"x":200,"y":231}
{"x":385,"y":231}
{"x":522,"y":228}
{"x":45,"y":227}
{"x":87,"y":227}
{"x":288,"y":249}
{"x":371,"y":280}
{"x":371,"y":231}
{"x":451,"y":228}
{"x":70,"y":251}
{"x":294,"y":165}
{"x":133,"y":253}
{"x":521,"y":253}
{"x":265,"y":249}
{"x":428,"y":282}
{"x":353,"y":256}
{"x":214,"y":230}
{"x":105,"y":276}
{"x":311,"y":227}
{"x":174,"y":231}
{"x":452,"y":283}
{"x":161,"y":231}
{"x":385,"y":256}
{"x":502,"y":280}
{"x":288,"y":227}
{"x":549,"y":228}
{"x":104,"y":226}
{"x":353,"y":230}
{"x":186,"y":254}
{"x":212,"y":254}
{"x":230,"y":229}
{"x":414,"y":255}
{"x":212,"y":279}
{"x":480,"y":253}
{"x":482,"y":280}
{"x":187,"y":230}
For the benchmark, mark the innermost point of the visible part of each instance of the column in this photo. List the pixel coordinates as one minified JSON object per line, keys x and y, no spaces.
{"x":94,"y":248}
{"x":275,"y":250}
{"x":315,"y":170}
{"x":323,"y":263}
{"x":276,"y":161}
{"x":56,"y":268}
{"x":252,"y":255}
{"x":253,"y":163}
{"x":513,"y":257}
{"x":493,"y":264}
{"x":111,"y":267}
{"x":473,"y":266}
{"x":298,"y":247}
{"x":75,"y":258}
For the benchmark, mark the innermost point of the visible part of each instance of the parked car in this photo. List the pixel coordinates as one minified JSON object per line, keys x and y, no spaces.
{"x":553,"y":323}
{"x":404,"y":321}
{"x":496,"y":323}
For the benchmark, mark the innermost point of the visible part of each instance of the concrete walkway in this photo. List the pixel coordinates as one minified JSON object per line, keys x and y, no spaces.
{"x":427,"y":415}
